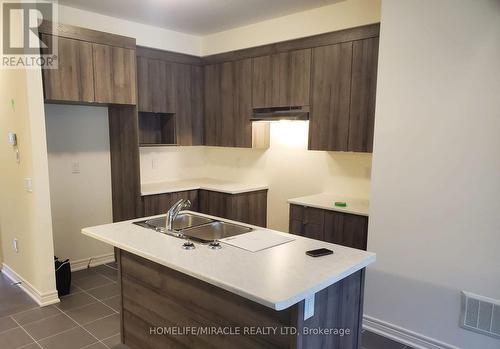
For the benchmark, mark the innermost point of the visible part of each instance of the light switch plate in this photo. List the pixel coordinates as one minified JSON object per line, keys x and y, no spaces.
{"x":12,"y":139}
{"x":28,"y":185}
{"x":75,"y":167}
{"x":309,"y":307}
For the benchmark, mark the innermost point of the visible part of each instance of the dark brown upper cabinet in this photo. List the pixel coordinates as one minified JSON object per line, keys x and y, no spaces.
{"x":170,"y":105}
{"x":73,"y":80}
{"x":188,"y":94}
{"x":281,"y":79}
{"x":114,"y":74}
{"x":363,"y":91}
{"x":93,"y":66}
{"x":331,"y":90}
{"x":156,"y":87}
{"x":228,"y":94}
{"x":344,"y":80}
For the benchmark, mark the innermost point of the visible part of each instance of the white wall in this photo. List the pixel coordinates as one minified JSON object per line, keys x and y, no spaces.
{"x":78,"y":134}
{"x":171,"y":163}
{"x":287,"y":166}
{"x":23,"y":215}
{"x":145,"y":35}
{"x":435,"y":203}
{"x":337,"y":16}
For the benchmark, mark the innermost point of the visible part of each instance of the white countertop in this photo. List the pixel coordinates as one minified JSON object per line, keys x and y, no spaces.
{"x":277,"y":277}
{"x":326,"y":201}
{"x":222,"y":186}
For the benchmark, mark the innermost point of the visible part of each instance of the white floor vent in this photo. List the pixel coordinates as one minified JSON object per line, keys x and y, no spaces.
{"x":480,"y":314}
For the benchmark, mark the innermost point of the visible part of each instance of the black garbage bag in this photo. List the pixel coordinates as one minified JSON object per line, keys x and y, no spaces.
{"x":63,"y":276}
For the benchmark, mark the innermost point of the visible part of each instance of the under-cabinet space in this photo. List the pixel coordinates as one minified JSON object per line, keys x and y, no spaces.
{"x":157,"y":129}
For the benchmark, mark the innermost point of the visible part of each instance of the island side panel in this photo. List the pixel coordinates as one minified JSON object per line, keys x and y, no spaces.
{"x":339,"y":306}
{"x":154,"y":295}
{"x":119,"y":281}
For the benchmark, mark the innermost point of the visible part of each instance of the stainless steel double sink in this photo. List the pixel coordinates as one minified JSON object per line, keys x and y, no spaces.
{"x":194,"y":227}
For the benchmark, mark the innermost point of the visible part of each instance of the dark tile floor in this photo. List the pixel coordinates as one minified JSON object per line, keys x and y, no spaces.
{"x":87,"y":318}
{"x":372,"y":340}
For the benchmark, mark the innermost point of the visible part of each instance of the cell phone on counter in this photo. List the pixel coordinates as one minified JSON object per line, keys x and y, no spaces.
{"x":319,"y":252}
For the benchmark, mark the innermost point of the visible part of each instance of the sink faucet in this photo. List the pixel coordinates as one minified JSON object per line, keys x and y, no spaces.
{"x":174,"y":211}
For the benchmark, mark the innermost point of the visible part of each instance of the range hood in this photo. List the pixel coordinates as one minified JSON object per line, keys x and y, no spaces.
{"x":280,"y":113}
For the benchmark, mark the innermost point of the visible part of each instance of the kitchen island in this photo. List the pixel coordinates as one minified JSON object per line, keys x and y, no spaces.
{"x":277,"y":297}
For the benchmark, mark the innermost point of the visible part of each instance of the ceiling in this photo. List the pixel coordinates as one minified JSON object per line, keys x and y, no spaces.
{"x":198,"y":17}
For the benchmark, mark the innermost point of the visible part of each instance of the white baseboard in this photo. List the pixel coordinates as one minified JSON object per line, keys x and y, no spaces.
{"x":42,"y":299}
{"x":81,"y":264}
{"x":402,"y":335}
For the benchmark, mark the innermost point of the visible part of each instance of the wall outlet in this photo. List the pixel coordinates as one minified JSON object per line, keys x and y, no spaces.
{"x":154,"y":163}
{"x":309,"y":307}
{"x":28,"y":185}
{"x":15,"y":244}
{"x":75,"y":167}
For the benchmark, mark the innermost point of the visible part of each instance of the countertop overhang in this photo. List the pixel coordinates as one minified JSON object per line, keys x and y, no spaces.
{"x":277,"y":277}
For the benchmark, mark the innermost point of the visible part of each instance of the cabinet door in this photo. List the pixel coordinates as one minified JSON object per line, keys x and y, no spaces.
{"x":228,"y":109}
{"x":314,"y":223}
{"x":73,"y":80}
{"x":197,"y":105}
{"x":281,"y":79}
{"x":331,"y":88}
{"x":144,"y":85}
{"x":363,"y":91}
{"x":346,"y":229}
{"x":228,"y":94}
{"x":248,"y":207}
{"x":212,"y":203}
{"x":294,"y":78}
{"x":114,"y":74}
{"x":241,"y":111}
{"x":213,"y":118}
{"x":159,"y":204}
{"x":265,"y":81}
{"x":183,"y":117}
{"x":296,"y":225}
{"x":156,"y":86}
{"x":188,"y":95}
{"x":164,"y":89}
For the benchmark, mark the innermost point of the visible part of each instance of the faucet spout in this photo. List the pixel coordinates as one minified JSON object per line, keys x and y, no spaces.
{"x":174,"y":211}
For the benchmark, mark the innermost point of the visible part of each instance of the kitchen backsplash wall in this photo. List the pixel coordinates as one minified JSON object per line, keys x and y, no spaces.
{"x":287,"y":167}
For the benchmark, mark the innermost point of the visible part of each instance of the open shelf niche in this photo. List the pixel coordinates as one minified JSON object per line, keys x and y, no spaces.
{"x":157,"y":129}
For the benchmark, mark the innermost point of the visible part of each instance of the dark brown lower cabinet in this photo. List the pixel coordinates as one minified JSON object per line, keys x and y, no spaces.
{"x":249,"y":207}
{"x":336,"y":227}
{"x":160,"y":203}
{"x":155,"y":297}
